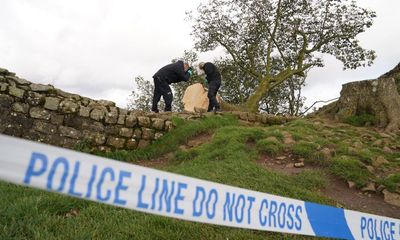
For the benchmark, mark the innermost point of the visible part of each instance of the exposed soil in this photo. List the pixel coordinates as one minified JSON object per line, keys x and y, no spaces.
{"x":336,"y":188}
{"x":165,"y":159}
{"x":284,"y":163}
{"x":353,"y":199}
{"x":156,"y":162}
{"x":199,"y":139}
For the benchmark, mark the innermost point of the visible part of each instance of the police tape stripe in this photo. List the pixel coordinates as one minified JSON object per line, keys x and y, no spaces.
{"x":152,"y":191}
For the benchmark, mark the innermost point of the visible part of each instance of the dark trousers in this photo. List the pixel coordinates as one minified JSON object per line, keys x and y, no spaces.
{"x":213,"y":88}
{"x":161,"y":88}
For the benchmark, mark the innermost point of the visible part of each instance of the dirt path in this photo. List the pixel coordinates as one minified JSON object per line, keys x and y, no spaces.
{"x":336,"y":189}
{"x":356,"y":200}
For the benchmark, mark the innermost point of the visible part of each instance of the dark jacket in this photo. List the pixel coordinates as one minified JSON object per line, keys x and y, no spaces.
{"x":173,"y":73}
{"x":212,"y":73}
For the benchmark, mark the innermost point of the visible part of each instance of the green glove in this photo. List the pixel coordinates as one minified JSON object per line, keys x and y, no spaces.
{"x":205,"y":82}
{"x":190,"y":71}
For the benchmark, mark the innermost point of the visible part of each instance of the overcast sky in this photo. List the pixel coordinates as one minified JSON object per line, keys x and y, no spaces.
{"x":95,"y":48}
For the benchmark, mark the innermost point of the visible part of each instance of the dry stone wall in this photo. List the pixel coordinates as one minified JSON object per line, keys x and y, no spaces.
{"x":46,"y":114}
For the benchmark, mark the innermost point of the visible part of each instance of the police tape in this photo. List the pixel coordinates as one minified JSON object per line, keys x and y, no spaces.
{"x":152,"y":191}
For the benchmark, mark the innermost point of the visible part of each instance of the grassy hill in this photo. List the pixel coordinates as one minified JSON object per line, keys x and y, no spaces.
{"x":223,"y":150}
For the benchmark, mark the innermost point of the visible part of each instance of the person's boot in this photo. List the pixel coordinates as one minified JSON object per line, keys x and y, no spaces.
{"x":217,"y":110}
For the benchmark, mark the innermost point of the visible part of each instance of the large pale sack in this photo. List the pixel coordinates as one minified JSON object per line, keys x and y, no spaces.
{"x":195,"y":98}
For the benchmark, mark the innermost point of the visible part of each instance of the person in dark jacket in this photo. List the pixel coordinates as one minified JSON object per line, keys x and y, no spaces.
{"x":213,"y":79}
{"x":172,"y":73}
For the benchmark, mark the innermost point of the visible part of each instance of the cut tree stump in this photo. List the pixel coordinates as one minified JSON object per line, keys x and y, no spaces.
{"x":379,"y":98}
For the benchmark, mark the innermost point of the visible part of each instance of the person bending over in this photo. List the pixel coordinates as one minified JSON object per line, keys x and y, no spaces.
{"x":171,"y":73}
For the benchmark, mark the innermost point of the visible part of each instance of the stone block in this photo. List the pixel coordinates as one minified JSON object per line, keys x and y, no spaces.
{"x":169,"y":126}
{"x":68,"y":142}
{"x":252,"y":117}
{"x":137,"y":133}
{"x":143,"y":143}
{"x":392,"y":198}
{"x":19,"y":81}
{"x":82,"y":123}
{"x":148,"y":134}
{"x":69,"y":106}
{"x":16,"y":92}
{"x":40,"y":87}
{"x":3,"y":87}
{"x":51,"y":103}
{"x":131,"y":144}
{"x":104,"y":149}
{"x":13,"y":130}
{"x":35,"y":99}
{"x":44,"y":127}
{"x":259,"y":118}
{"x":158,"y":135}
{"x":69,"y":132}
{"x":84,"y":111}
{"x":116,"y":142}
{"x":34,"y":136}
{"x":39,"y":113}
{"x":57,"y":119}
{"x":158,"y":123}
{"x":85,"y":101}
{"x":20,"y":107}
{"x":264,"y":118}
{"x":131,"y":120}
{"x":6,"y":101}
{"x":121,"y":119}
{"x":106,"y":103}
{"x":243,"y":116}
{"x":144,"y":122}
{"x":112,"y":116}
{"x":19,"y":120}
{"x":126,"y":132}
{"x":95,"y":137}
{"x":112,"y":130}
{"x":72,"y":96}
{"x":97,"y":114}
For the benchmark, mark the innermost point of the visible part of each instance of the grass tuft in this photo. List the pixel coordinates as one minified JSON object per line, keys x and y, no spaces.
{"x":350,"y":169}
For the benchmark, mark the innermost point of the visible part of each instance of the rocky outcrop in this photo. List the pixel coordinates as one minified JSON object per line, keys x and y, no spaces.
{"x":46,"y":114}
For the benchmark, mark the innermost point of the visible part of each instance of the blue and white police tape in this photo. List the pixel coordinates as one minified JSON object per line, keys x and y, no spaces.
{"x":147,"y":190}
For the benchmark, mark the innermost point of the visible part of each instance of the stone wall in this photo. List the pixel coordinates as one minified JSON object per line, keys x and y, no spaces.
{"x":46,"y":114}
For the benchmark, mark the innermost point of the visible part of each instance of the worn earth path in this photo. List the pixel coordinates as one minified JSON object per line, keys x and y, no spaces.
{"x":336,"y":189}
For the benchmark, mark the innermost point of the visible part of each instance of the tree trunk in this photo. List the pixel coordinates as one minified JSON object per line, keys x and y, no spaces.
{"x":253,"y":102}
{"x":379,"y":98}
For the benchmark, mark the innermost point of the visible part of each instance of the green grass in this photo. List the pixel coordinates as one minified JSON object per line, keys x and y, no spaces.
{"x":227,"y":158}
{"x":173,"y":139}
{"x":350,"y":169}
{"x":361,"y":120}
{"x":392,"y":182}
{"x":309,"y":151}
{"x":230,"y":157}
{"x":270,"y":146}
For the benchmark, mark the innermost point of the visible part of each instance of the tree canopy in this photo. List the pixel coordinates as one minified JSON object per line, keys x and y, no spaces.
{"x":274,"y":40}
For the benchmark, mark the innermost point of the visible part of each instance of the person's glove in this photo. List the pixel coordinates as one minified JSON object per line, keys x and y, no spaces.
{"x":205,"y":82}
{"x":190,"y":71}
